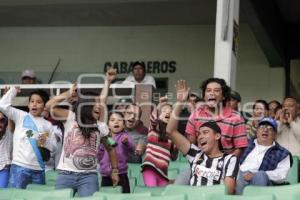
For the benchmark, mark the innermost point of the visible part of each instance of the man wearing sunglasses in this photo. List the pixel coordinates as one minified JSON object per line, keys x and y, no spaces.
{"x":264,"y":162}
{"x":6,"y":150}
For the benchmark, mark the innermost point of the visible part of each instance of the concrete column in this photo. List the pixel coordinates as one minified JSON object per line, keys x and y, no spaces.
{"x":226,"y":40}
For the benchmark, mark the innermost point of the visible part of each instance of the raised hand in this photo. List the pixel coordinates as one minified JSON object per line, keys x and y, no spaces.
{"x":115,"y":178}
{"x":72,"y":96}
{"x":125,"y":140}
{"x":162,"y":101}
{"x":111,"y":74}
{"x":182,"y":91}
{"x":18,"y":89}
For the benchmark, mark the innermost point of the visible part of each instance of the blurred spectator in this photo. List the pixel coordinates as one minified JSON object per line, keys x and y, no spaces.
{"x":138,"y":132}
{"x":289,"y":126}
{"x":121,"y":105}
{"x":184,"y":115}
{"x":28,"y":77}
{"x":139,"y":75}
{"x":260,"y":110}
{"x":6,"y":139}
{"x":234,"y":103}
{"x":273,"y":105}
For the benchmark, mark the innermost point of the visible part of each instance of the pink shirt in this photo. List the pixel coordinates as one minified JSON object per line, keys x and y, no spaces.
{"x":230,"y":121}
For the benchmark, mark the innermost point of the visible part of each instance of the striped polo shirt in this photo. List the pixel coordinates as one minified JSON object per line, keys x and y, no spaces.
{"x":230,"y":121}
{"x":208,"y":171}
{"x":158,"y":154}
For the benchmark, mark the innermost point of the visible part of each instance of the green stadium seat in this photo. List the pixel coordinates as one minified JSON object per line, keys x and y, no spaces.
{"x":285,"y":192}
{"x":181,"y":158}
{"x":111,"y":196}
{"x":110,"y":189}
{"x":6,"y":193}
{"x":39,"y":195}
{"x":237,"y":197}
{"x":179,"y":165}
{"x":51,"y":177}
{"x":172,"y":173}
{"x":167,"y":197}
{"x":194,"y":192}
{"x":155,"y":191}
{"x":39,"y":187}
{"x":77,"y":198}
{"x":132,"y":183}
{"x":293,"y":172}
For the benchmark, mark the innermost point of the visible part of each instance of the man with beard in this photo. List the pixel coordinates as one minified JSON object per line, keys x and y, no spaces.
{"x":134,"y":126}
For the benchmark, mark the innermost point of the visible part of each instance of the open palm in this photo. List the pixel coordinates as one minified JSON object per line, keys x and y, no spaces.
{"x":182,"y":90}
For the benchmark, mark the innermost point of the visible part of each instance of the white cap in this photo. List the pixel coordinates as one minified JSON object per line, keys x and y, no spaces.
{"x":28,"y":73}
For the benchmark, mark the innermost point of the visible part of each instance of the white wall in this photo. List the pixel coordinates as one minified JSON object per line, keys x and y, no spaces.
{"x":86,"y":49}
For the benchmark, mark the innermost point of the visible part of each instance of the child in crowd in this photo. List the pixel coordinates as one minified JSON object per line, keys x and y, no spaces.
{"x":125,"y":145}
{"x":6,"y":139}
{"x":33,"y":138}
{"x":159,"y":150}
{"x":82,"y":136}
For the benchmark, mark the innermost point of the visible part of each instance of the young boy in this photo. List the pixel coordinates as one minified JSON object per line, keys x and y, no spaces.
{"x":33,"y":138}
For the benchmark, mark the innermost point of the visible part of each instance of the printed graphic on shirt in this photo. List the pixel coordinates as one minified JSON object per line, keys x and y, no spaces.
{"x":28,"y":123}
{"x":81,"y":150}
{"x":212,"y":174}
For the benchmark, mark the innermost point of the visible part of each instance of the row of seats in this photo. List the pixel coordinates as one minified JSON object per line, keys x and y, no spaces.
{"x":138,"y":188}
{"x":171,"y":192}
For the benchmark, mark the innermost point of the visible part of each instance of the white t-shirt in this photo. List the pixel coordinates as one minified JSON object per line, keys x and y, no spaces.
{"x":149,"y":80}
{"x":79,"y":153}
{"x":26,"y":126}
{"x":6,"y":149}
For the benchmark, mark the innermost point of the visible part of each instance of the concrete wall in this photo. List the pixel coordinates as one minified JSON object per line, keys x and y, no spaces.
{"x":86,"y":49}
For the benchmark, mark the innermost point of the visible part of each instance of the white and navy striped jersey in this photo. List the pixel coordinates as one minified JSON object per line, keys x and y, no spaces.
{"x":210,"y":171}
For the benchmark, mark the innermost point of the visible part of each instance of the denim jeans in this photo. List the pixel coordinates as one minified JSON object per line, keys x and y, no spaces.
{"x":21,"y":176}
{"x":260,"y":178}
{"x":4,"y":177}
{"x":86,"y":184}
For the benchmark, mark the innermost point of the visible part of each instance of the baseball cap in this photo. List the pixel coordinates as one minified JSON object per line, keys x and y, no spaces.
{"x":28,"y":73}
{"x":235,"y":95}
{"x":213,"y":125}
{"x":269,"y":121}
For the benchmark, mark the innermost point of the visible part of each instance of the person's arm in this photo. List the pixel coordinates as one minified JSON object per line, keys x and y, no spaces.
{"x":230,"y":184}
{"x":101,"y":100}
{"x":280,"y":174}
{"x":238,"y":152}
{"x":182,"y":144}
{"x":5,"y":105}
{"x":51,"y":105}
{"x":295,"y":127}
{"x":231,"y":173}
{"x":111,"y":75}
{"x":114,"y":164}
